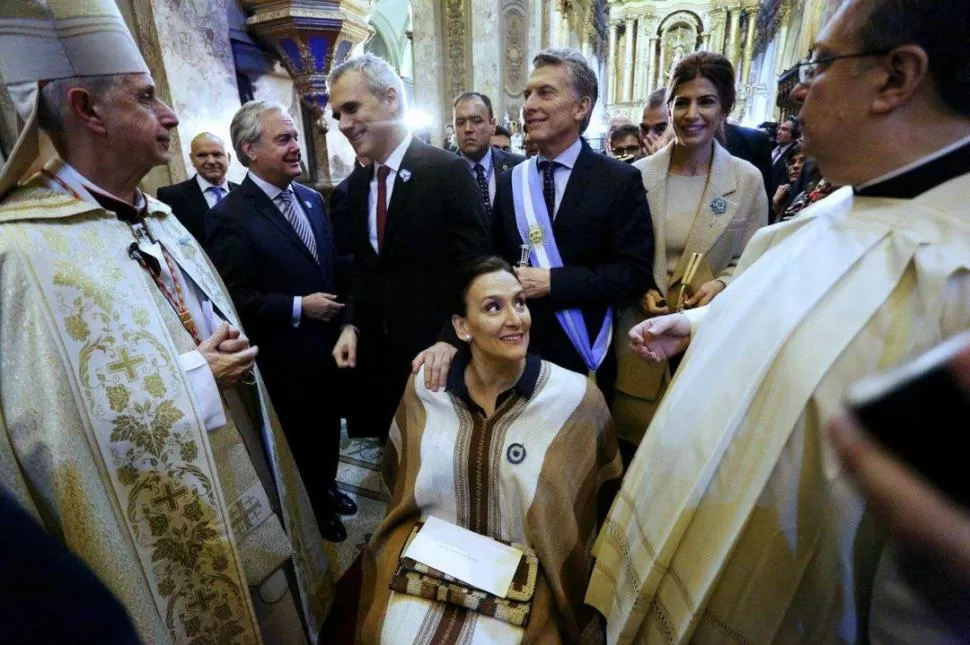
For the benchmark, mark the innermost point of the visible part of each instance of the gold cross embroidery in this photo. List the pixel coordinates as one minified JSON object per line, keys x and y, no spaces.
{"x":245,"y":513}
{"x":171,"y":496}
{"x":127,"y":364}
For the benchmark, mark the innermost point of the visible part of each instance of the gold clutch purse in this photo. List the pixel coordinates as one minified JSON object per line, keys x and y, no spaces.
{"x":696,"y":273}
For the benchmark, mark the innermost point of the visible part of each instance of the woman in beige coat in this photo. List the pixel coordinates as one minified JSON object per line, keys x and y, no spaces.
{"x":702,"y":200}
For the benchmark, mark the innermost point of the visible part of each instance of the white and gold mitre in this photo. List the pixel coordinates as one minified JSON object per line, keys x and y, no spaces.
{"x":46,"y":40}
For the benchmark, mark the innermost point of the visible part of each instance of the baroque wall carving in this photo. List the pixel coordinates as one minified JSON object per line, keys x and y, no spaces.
{"x":456,"y":29}
{"x":515,"y":47}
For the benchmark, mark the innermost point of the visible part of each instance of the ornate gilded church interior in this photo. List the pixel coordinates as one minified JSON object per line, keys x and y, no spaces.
{"x":209,"y":57}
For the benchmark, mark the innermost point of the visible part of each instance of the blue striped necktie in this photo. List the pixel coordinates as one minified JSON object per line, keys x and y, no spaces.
{"x":298,"y":221}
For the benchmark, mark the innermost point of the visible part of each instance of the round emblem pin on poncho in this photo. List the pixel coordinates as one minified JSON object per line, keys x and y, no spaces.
{"x":719,"y":206}
{"x":515,"y":453}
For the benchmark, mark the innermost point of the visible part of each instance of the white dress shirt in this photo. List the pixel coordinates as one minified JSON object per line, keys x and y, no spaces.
{"x":273,"y":191}
{"x":201,"y":381}
{"x":393,"y":164}
{"x":560,"y":177}
{"x":488,"y":163}
{"x":205,"y":185}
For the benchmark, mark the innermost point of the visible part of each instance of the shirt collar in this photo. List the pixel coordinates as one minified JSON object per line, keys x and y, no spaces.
{"x":272,"y":191}
{"x":94,"y":194}
{"x":524,"y":387}
{"x":568,"y":156}
{"x":395,"y":158}
{"x":923,"y":174}
{"x":486,"y":162}
{"x":205,"y":184}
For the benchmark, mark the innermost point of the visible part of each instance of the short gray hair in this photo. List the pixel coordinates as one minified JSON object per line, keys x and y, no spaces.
{"x":53,"y":108}
{"x":657,"y":98}
{"x":377,"y":73}
{"x":582,"y":77}
{"x":247,"y":126}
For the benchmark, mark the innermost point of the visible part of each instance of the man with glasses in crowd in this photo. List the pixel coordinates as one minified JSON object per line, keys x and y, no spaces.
{"x":735,"y":520}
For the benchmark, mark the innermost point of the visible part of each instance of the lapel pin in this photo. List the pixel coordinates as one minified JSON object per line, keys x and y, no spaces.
{"x":718,"y":205}
{"x":307,"y":202}
{"x":405,"y":175}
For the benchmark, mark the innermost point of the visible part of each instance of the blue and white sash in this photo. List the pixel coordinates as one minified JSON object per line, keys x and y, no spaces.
{"x":535,"y":228}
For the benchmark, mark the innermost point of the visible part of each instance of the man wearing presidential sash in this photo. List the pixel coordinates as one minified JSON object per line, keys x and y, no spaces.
{"x":133,"y":426}
{"x":736,"y":523}
{"x":581,"y":217}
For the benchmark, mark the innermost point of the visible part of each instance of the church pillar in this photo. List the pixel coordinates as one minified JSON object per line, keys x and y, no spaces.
{"x":309,"y":45}
{"x":641,"y":78}
{"x":706,"y":41}
{"x":612,"y":66}
{"x":628,"y":63}
{"x":652,"y":65}
{"x":734,"y":33}
{"x":749,"y":45}
{"x":555,"y":24}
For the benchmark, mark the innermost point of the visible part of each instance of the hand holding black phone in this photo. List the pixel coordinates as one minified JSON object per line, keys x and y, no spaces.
{"x":921,"y":413}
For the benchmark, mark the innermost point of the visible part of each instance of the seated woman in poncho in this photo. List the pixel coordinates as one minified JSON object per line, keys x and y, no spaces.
{"x":515,"y":449}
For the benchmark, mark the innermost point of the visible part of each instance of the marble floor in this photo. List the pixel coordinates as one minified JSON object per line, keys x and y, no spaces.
{"x":359,"y":476}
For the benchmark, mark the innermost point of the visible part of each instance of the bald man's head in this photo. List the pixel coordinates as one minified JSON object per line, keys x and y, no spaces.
{"x":209,"y":157}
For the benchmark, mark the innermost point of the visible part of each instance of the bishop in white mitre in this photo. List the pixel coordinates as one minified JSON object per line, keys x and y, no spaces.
{"x":179,"y":492}
{"x":736,"y":522}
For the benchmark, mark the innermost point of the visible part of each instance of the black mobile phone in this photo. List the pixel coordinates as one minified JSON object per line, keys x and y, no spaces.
{"x":919,"y":412}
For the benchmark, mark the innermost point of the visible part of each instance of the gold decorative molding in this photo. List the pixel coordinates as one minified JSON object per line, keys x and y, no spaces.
{"x":515,"y":45}
{"x":456,"y":29}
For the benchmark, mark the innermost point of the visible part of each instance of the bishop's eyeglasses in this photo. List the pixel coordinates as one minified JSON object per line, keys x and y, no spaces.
{"x":807,"y":69}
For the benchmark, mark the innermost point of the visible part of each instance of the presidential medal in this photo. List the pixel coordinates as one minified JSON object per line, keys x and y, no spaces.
{"x":535,"y":235}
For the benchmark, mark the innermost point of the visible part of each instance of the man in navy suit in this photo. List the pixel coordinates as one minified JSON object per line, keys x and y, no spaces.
{"x":271,"y":240}
{"x":191,"y":199}
{"x":584,"y":217}
{"x":474,"y":125}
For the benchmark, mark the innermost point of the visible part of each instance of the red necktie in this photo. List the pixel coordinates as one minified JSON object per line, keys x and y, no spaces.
{"x":382,"y":173}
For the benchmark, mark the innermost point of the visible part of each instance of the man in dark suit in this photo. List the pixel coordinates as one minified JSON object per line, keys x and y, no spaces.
{"x":787,"y":136}
{"x":271,"y":241}
{"x":419,"y":218}
{"x":474,"y":126}
{"x":191,"y":199}
{"x":600,"y":222}
{"x":754,"y":147}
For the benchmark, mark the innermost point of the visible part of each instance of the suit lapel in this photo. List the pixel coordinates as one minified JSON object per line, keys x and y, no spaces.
{"x":404,"y":181}
{"x":500,"y":163}
{"x":358,"y":197}
{"x":195,"y":194}
{"x":320,"y":226}
{"x":265,"y":207}
{"x":578,"y":179}
{"x":709,"y":224}
{"x":654,"y":170}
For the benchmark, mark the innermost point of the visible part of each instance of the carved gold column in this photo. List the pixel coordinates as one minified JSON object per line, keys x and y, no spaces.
{"x":782,"y":41}
{"x":749,"y":44}
{"x":611,"y":87}
{"x":628,"y":62}
{"x":735,"y":36}
{"x":310,"y":36}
